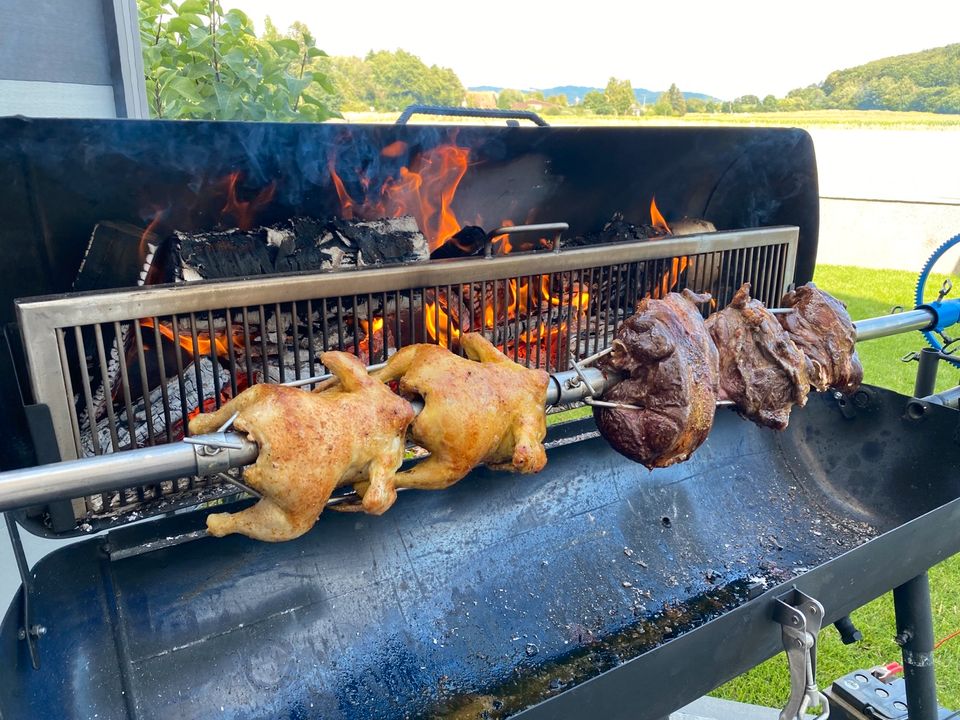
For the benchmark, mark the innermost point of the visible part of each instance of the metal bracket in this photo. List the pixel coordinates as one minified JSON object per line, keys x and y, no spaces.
{"x":800,"y":617}
{"x":28,"y":630}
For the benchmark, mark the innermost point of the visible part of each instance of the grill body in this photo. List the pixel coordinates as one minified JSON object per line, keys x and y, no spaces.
{"x":501,"y":592}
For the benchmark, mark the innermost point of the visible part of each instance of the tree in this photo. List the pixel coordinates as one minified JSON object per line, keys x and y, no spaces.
{"x":769,"y":104}
{"x":202,"y":62}
{"x":619,"y":96}
{"x":677,"y":102}
{"x":400,"y":79}
{"x":597,"y":102}
{"x":508,"y":99}
{"x":696,"y":105}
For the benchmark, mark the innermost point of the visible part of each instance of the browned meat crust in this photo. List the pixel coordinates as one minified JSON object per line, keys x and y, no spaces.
{"x":821,"y":327}
{"x":761,"y":369}
{"x":672,"y":372}
{"x":483,"y":410}
{"x":310,"y":444}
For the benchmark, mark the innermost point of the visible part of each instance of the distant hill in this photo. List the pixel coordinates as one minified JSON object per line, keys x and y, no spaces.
{"x":574,"y":92}
{"x":928,"y":80}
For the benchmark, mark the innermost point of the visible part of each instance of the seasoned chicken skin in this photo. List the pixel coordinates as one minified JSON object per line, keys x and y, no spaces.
{"x":672,"y":373}
{"x":821,"y":327}
{"x":761,"y":369}
{"x":310,"y":444}
{"x":483,"y":410}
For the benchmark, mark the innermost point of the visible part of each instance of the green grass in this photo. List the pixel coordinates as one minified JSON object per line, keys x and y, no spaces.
{"x":869,"y":293}
{"x":808,"y":118}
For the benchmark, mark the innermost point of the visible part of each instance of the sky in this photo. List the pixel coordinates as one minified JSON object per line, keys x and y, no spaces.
{"x":725,"y":49}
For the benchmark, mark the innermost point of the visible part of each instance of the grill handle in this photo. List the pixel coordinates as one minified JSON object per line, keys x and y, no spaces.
{"x":470,"y":112}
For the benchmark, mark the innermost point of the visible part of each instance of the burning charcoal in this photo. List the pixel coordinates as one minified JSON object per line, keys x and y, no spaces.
{"x":468,"y":241}
{"x":297,"y":245}
{"x":151,"y":415}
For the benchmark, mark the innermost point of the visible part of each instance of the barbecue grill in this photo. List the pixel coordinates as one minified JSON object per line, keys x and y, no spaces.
{"x":591,"y":587}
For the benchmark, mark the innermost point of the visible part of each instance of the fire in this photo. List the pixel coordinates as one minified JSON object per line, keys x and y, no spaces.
{"x":204,"y":344}
{"x":439,"y":331}
{"x":364,"y":344}
{"x":425,"y":190}
{"x":243,"y":212}
{"x":656,"y":219}
{"x":672,"y":276}
{"x":524,"y":297}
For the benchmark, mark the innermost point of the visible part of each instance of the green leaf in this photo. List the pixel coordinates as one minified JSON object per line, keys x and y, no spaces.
{"x":186,"y":88}
{"x":285,"y":45}
{"x":324,"y":82}
{"x":194,"y":6}
{"x":179,"y":25}
{"x":315,"y":53}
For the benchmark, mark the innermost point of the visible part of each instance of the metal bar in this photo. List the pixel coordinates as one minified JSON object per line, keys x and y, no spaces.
{"x":29,"y":630}
{"x":105,"y":379}
{"x":144,"y":384}
{"x":125,"y":384}
{"x":162,"y":369}
{"x":281,"y":335}
{"x":41,"y":484}
{"x":87,"y":391}
{"x":311,"y":352}
{"x":927,"y":367}
{"x":74,"y":478}
{"x":178,"y":355}
{"x":885,"y":325}
{"x":911,"y":602}
{"x":295,"y":337}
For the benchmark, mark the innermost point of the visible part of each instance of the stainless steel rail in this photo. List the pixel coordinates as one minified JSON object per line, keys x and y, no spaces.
{"x":44,"y":483}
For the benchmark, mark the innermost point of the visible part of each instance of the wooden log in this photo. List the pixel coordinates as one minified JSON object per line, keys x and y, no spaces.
{"x":299,"y":244}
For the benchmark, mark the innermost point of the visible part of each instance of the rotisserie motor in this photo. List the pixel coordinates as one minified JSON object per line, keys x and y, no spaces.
{"x":483,"y":410}
{"x":823,"y":330}
{"x":310,"y":444}
{"x":672,"y":371}
{"x":762,"y":370}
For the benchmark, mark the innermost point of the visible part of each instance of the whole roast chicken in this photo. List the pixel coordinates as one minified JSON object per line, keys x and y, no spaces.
{"x":821,"y":327}
{"x":310,"y":444}
{"x":483,"y":409}
{"x":762,"y":370}
{"x":672,"y":377}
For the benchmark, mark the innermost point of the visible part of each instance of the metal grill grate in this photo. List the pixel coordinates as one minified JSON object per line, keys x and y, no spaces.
{"x":128,"y":368}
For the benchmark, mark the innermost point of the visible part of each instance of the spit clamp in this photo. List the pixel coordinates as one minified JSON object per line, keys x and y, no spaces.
{"x":800,"y":617}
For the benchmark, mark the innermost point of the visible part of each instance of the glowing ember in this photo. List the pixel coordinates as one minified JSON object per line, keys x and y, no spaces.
{"x":425,"y":190}
{"x":203,"y":345}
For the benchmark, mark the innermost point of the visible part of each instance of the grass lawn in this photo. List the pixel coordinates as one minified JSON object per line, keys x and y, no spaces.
{"x":869,"y":293}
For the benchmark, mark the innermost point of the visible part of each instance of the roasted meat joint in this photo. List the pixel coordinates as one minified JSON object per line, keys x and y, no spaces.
{"x":577,"y":440}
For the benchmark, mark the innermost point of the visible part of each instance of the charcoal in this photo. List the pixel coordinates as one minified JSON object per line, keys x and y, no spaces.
{"x":299,"y":244}
{"x":117,"y":253}
{"x":468,"y":241}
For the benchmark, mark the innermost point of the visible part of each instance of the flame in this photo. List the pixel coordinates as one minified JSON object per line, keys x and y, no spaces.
{"x":203,"y":346}
{"x":148,"y":231}
{"x":672,"y":276}
{"x":434,"y":311}
{"x":425,"y":190}
{"x":243,"y":212}
{"x":364,"y":344}
{"x":523,"y":298}
{"x":656,"y":219}
{"x":394,"y":149}
{"x":501,"y":243}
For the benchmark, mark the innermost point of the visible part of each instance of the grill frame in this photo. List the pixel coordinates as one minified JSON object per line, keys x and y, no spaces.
{"x":44,"y":322}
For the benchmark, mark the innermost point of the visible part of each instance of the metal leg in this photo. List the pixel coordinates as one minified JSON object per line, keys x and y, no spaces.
{"x":29,"y":631}
{"x":911,"y":601}
{"x":927,"y":367}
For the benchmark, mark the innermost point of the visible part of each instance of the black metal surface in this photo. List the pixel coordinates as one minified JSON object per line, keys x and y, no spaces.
{"x":602,"y":588}
{"x":849,"y":633}
{"x":483,"y":113}
{"x":911,"y":601}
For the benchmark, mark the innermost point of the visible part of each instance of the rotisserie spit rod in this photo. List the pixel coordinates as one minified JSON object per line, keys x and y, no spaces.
{"x":76,"y":478}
